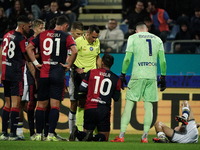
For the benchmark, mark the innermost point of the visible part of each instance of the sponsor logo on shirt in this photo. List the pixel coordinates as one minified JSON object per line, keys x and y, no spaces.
{"x":147,"y":63}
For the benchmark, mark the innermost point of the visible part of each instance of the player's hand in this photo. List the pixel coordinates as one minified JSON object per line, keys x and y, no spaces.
{"x":67,"y":67}
{"x":38,"y":66}
{"x":123,"y":80}
{"x":162,"y":83}
{"x":80,"y":70}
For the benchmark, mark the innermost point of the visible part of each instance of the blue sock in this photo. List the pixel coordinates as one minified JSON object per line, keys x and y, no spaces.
{"x":5,"y":120}
{"x":53,"y":119}
{"x":39,"y":119}
{"x":46,"y":125}
{"x":99,"y":137}
{"x":30,"y":115}
{"x":14,"y":120}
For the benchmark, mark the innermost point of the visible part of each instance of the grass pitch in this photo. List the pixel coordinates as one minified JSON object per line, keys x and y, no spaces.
{"x":132,"y":142}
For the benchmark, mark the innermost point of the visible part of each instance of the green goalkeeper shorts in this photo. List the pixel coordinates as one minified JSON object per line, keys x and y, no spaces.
{"x":146,"y":88}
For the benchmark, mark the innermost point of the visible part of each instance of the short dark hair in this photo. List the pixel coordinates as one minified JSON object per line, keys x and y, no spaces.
{"x":23,"y":19}
{"x":62,"y":20}
{"x":77,"y":25}
{"x":93,"y":28}
{"x":108,"y":60}
{"x":153,"y":2}
{"x":140,"y":23}
{"x":113,"y":20}
{"x":52,"y":23}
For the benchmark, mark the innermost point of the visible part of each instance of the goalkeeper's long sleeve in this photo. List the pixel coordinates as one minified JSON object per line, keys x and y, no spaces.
{"x":163,"y":66}
{"x":126,"y":62}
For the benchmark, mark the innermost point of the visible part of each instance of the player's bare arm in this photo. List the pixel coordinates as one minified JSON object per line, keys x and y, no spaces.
{"x":98,"y":62}
{"x":30,"y":51}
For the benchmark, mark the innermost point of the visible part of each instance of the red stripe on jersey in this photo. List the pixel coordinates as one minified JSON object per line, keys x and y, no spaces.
{"x":29,"y":41}
{"x":70,"y":42}
{"x":6,"y":41}
{"x":22,"y":45}
{"x":21,"y":87}
{"x":44,"y":44}
{"x":93,"y":88}
{"x":15,"y":109}
{"x":85,"y":81}
{"x":118,"y":87}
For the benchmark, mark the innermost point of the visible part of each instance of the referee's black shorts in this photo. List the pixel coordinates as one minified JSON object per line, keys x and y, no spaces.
{"x":97,"y":117}
{"x":77,"y":82}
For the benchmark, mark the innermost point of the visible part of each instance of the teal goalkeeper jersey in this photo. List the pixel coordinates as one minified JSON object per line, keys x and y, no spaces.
{"x":145,"y":48}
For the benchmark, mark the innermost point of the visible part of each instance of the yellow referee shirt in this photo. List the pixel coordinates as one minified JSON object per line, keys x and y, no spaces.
{"x":87,"y":53}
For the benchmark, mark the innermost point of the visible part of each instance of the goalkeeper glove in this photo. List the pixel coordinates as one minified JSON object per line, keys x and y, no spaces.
{"x":162,"y":83}
{"x":123,"y":80}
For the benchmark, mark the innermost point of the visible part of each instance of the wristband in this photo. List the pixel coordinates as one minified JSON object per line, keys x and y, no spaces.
{"x":35,"y":62}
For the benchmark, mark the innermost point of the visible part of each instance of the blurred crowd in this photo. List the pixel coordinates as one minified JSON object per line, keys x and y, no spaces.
{"x":159,"y":16}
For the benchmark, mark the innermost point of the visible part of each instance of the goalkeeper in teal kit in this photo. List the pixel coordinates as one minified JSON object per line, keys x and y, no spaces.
{"x":145,"y":48}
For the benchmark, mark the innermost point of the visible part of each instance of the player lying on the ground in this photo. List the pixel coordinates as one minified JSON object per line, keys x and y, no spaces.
{"x":185,"y":133}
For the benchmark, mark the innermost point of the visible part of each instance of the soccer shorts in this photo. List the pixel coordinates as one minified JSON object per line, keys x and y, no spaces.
{"x":71,"y":87}
{"x":77,"y":82}
{"x":12,"y":88}
{"x":50,"y":88}
{"x":25,"y":96}
{"x":100,"y":118}
{"x":146,"y":88}
{"x":191,"y":134}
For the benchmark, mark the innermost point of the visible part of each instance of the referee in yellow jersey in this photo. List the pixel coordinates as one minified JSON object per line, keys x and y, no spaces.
{"x":88,"y":47}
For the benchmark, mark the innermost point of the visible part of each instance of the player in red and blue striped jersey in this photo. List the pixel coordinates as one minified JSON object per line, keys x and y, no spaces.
{"x":13,"y":62}
{"x":101,"y":85}
{"x":53,"y":46}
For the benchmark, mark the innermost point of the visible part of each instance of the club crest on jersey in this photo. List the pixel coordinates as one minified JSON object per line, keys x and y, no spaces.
{"x":91,"y":48}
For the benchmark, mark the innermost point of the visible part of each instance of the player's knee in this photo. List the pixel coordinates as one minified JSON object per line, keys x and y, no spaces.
{"x":185,"y":104}
{"x":73,"y":106}
{"x":158,"y":123}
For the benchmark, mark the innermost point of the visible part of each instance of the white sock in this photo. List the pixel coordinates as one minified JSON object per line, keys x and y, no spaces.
{"x":161,"y":135}
{"x":186,"y":112}
{"x":20,"y":129}
{"x":145,"y":134}
{"x":72,"y":120}
{"x":121,"y":135}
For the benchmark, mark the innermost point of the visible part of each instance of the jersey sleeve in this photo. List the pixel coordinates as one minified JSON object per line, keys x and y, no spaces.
{"x":70,"y":41}
{"x":36,"y":41}
{"x":130,"y":44}
{"x":22,"y":45}
{"x":117,"y":93}
{"x":78,"y":45}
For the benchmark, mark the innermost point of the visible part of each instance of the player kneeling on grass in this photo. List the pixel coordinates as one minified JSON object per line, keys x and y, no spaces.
{"x":102,"y":85}
{"x":185,"y":133}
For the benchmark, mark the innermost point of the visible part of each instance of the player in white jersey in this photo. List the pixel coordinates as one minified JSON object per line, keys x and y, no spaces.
{"x":145,"y":47}
{"x":185,"y":133}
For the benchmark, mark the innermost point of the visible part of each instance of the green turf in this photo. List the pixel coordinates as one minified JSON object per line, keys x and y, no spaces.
{"x":132,"y":142}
